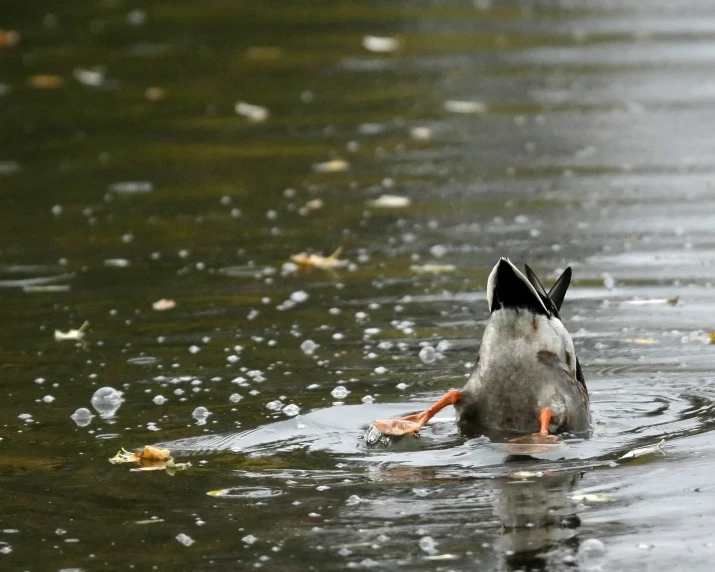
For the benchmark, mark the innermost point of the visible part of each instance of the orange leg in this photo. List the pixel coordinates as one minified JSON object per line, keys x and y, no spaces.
{"x":545,"y":419}
{"x":411,"y":424}
{"x":542,"y":437}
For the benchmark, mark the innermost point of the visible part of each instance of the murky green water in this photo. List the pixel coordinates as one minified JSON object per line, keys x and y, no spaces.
{"x":126,"y":176}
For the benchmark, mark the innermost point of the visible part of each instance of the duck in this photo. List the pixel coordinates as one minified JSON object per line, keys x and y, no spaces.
{"x":527,"y":379}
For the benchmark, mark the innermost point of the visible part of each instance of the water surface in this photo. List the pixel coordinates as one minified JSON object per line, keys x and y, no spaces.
{"x":126,"y":176}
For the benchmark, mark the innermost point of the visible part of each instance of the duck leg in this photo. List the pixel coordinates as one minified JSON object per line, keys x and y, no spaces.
{"x":411,"y":424}
{"x":543,"y":435}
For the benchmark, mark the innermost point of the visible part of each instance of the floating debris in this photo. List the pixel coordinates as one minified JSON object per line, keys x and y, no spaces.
{"x":421,"y":133}
{"x":641,"y":451}
{"x":218,"y":493}
{"x":164,"y":304}
{"x":334,"y":166}
{"x":313,"y":205}
{"x":380,"y":44}
{"x":47,"y":288}
{"x":673,"y":300}
{"x":154,"y":520}
{"x":93,"y":77}
{"x":390,"y":202}
{"x":185,"y":539}
{"x":254,"y":113}
{"x":116,"y":262}
{"x":432,"y":268}
{"x":263,"y":53}
{"x":465,"y":107}
{"x":592,"y":497}
{"x":149,"y":459}
{"x":305,"y":260}
{"x":642,"y":341}
{"x":71,"y":335}
{"x":9,"y":38}
{"x":45,"y":81}
{"x":131,"y":187}
{"x":154,"y":93}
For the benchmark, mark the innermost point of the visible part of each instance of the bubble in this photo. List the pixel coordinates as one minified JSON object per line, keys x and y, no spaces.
{"x":194,"y":349}
{"x":185,"y":539}
{"x":82,"y":417}
{"x":340,"y":392}
{"x":106,"y":401}
{"x":48,"y":399}
{"x":159,"y":399}
{"x":353,"y":500}
{"x":235,"y":398}
{"x":274,"y":405}
{"x":591,"y":555}
{"x":443,"y":346}
{"x":200,"y":414}
{"x":291,"y":410}
{"x":428,"y":354}
{"x":308,"y":347}
{"x":299,"y":296}
{"x":438,"y":250}
{"x":249,"y":539}
{"x":428,"y":545}
{"x":368,"y":399}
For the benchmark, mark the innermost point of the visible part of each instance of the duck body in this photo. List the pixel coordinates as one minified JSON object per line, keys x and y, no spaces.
{"x":527,"y":361}
{"x":527,"y":378}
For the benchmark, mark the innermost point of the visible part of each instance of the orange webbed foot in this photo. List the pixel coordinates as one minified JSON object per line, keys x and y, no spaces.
{"x":396,"y":427}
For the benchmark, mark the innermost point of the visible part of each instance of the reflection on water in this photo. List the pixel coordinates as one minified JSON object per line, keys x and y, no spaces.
{"x":183,"y":152}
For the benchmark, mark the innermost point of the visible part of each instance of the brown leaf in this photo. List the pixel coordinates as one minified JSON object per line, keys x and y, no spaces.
{"x":317,"y":261}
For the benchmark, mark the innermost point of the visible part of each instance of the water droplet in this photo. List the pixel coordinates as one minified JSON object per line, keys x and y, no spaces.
{"x":428,"y":354}
{"x":106,"y":401}
{"x":299,"y":296}
{"x":428,"y":545}
{"x":308,"y":347}
{"x":291,"y":410}
{"x":200,"y":414}
{"x":340,"y":392}
{"x":185,"y":539}
{"x":591,"y":554}
{"x":82,"y":417}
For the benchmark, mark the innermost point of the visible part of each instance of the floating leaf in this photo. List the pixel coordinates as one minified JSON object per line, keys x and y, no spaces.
{"x":649,"y":450}
{"x":45,"y":81}
{"x":390,"y":202}
{"x":217,"y":493}
{"x":9,"y":38}
{"x":313,"y":205}
{"x":77,"y":334}
{"x":317,"y":261}
{"x":150,"y":459}
{"x":164,"y":304}
{"x":334,"y":166}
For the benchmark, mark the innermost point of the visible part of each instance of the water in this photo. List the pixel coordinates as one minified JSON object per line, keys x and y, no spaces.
{"x":551,"y":133}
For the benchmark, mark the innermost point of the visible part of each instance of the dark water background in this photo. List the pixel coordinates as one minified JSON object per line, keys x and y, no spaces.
{"x":592,"y":144}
